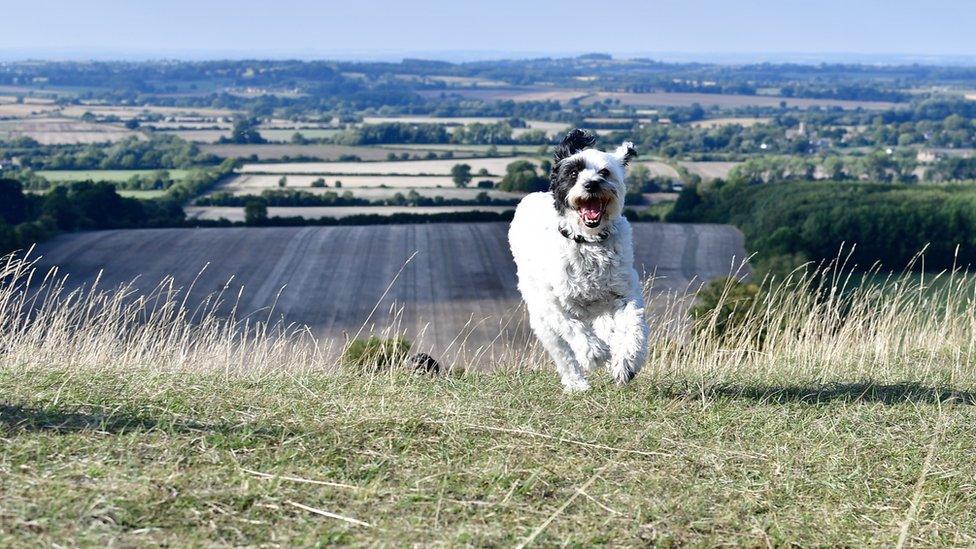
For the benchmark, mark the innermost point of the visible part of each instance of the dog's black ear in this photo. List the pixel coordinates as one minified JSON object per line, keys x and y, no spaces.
{"x":575,"y":141}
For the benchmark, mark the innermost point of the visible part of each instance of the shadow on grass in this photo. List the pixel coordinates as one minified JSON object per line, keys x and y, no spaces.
{"x":16,"y":418}
{"x":894,"y":393}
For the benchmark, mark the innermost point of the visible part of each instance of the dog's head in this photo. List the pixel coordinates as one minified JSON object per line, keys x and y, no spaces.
{"x":588,"y":184}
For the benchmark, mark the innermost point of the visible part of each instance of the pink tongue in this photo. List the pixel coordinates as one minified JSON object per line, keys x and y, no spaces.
{"x":591,"y":210}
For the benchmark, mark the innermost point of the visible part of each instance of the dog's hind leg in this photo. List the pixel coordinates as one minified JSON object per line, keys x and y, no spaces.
{"x":628,"y":341}
{"x":552,"y":338}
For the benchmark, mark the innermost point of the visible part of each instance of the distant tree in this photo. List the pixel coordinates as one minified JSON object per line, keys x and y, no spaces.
{"x":245,"y":131}
{"x":338,"y":184}
{"x":132,"y":123}
{"x":461,"y":174}
{"x":486,"y":184}
{"x":545,"y":166}
{"x":637,"y":177}
{"x":282,"y":182}
{"x":256,"y":212}
{"x":298,"y":139}
{"x":521,"y":176}
{"x":320,"y":182}
{"x":13,"y":203}
{"x":9,"y":241}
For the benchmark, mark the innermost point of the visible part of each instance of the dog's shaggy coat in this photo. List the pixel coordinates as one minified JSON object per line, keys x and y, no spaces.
{"x":575,"y":254}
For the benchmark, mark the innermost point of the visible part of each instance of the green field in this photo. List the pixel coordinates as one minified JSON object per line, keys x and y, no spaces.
{"x":140,"y":458}
{"x":141,"y":194}
{"x":112,"y":176}
{"x":285,"y":135}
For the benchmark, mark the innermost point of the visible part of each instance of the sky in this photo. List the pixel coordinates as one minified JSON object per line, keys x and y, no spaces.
{"x":462,"y":29}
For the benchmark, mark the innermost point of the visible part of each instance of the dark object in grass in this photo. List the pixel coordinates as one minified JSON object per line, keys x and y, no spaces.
{"x":422,"y":364}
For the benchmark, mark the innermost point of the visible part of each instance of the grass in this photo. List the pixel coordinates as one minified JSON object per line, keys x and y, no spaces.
{"x":113,"y":176}
{"x":142,"y":458}
{"x":827,"y":416}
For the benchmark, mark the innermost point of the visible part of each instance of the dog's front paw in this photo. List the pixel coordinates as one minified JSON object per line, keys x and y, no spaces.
{"x":621,"y":374}
{"x":575,"y":385}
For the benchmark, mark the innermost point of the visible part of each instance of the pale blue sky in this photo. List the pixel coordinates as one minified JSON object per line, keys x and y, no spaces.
{"x":465,"y":29}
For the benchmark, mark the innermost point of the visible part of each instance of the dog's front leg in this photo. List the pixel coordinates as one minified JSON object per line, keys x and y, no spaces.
{"x":628,"y":343}
{"x":558,"y":341}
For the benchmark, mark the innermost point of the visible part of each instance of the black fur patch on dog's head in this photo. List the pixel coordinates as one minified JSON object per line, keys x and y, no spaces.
{"x":575,"y":141}
{"x":561,"y":177}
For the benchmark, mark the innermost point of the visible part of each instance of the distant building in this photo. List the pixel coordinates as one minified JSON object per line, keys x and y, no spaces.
{"x":800,"y":132}
{"x":928,"y":156}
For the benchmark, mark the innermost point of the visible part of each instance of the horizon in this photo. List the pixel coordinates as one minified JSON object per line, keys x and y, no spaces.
{"x":467,"y":56}
{"x":709,"y":31}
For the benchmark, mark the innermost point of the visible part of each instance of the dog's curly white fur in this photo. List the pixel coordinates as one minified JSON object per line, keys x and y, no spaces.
{"x":575,"y":257}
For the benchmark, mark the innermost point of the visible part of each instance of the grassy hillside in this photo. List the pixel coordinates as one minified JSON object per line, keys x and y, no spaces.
{"x":819,"y":414}
{"x":140,"y":458}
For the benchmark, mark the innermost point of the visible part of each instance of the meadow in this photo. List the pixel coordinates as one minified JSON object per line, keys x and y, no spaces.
{"x":112,"y":176}
{"x":834,"y":417}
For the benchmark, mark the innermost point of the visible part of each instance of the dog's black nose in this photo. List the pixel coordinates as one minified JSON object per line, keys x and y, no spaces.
{"x":591,"y":186}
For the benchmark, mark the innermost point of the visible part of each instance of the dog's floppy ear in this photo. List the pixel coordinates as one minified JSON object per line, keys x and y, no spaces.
{"x":625,"y":152}
{"x":575,"y":141}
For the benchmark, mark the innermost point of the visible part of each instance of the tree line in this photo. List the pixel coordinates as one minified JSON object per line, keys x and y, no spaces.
{"x":787,"y":223}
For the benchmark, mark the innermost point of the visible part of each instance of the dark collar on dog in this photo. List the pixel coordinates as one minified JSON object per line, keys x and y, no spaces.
{"x":580,"y":239}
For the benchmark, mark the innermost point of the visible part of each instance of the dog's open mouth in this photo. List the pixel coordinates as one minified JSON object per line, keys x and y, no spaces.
{"x":591,"y":211}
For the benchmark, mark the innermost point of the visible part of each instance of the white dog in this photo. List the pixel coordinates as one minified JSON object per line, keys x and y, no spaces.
{"x":575,"y":258}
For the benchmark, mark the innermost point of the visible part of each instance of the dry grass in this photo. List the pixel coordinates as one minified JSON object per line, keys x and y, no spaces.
{"x":817,"y":327}
{"x":833,"y":415}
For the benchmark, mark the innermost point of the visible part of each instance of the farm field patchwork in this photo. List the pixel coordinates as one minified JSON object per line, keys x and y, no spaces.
{"x":661,"y":99}
{"x":474,"y":150}
{"x":198,"y":136}
{"x":214,"y":213}
{"x":329,"y":152}
{"x":745,"y":122}
{"x":517,"y":94}
{"x":660,"y":169}
{"x":59,"y":176}
{"x":141,"y":194}
{"x":674,"y":99}
{"x":710,"y":170}
{"x":58,"y":131}
{"x":495,"y":166}
{"x":284,"y":136}
{"x":23,"y":110}
{"x":257,"y":183}
{"x":126,"y":112}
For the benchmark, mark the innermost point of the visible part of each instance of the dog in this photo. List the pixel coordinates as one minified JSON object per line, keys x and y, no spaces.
{"x":574,"y":254}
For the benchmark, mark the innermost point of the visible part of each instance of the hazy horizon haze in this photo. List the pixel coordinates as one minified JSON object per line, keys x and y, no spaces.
{"x":704,"y":30}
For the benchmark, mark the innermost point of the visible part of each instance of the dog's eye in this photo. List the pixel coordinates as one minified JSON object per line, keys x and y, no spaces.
{"x":604,"y":173}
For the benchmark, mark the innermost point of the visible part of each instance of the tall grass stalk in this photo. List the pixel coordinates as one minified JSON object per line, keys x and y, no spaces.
{"x":822,"y":324}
